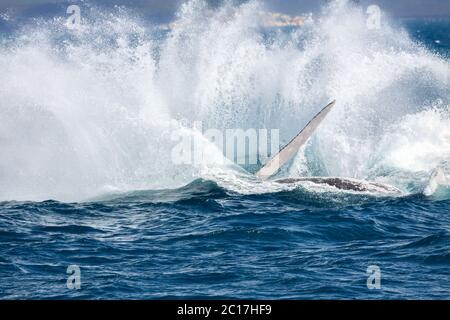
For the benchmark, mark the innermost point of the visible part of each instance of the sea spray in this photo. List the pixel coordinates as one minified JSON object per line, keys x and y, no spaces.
{"x":89,"y":111}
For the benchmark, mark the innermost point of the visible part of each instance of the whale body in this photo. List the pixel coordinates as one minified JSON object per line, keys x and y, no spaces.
{"x":345,"y":184}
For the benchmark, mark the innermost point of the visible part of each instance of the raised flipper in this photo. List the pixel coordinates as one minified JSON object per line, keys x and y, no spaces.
{"x":437,"y":179}
{"x":291,"y":149}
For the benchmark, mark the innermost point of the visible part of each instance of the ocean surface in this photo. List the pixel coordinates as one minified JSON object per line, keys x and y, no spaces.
{"x":87,"y":177}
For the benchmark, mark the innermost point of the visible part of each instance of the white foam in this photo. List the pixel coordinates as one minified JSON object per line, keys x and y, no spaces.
{"x":96,"y":113}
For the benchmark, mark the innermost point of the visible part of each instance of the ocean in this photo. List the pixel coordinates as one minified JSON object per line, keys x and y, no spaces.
{"x":93,"y":205}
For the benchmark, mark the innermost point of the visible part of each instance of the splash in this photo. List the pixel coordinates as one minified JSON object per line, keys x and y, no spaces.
{"x":92,"y":111}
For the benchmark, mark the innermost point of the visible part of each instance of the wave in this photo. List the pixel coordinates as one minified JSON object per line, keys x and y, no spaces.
{"x":91,"y":111}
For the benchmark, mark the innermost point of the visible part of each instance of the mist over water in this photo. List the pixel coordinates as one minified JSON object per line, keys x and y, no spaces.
{"x":91,"y":111}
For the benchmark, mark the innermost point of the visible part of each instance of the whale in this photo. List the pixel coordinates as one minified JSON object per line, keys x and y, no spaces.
{"x":437,"y":178}
{"x":346,"y":184}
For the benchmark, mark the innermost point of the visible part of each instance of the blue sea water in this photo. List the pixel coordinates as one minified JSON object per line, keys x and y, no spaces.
{"x":211,"y":244}
{"x":206,"y":240}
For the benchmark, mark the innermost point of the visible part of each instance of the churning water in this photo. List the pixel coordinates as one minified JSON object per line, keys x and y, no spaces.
{"x":87,"y":175}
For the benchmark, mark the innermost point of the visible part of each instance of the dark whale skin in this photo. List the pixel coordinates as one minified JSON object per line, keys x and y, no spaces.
{"x":345,"y":184}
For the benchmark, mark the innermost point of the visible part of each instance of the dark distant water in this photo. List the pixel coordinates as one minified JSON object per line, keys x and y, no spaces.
{"x":203,"y":241}
{"x":434,"y":34}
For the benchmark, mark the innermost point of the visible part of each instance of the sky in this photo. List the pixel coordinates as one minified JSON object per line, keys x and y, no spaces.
{"x":164,"y":9}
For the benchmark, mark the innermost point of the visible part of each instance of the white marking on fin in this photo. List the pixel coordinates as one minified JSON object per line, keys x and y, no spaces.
{"x":437,"y":179}
{"x":292,"y":147}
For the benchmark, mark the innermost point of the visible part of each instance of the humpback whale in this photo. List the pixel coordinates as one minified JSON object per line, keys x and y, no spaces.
{"x":347,"y":184}
{"x":344,"y":184}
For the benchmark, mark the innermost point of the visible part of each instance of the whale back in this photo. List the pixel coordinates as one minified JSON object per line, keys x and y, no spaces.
{"x":291,"y":149}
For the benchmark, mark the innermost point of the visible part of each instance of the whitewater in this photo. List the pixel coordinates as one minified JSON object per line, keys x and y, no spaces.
{"x":91,"y":111}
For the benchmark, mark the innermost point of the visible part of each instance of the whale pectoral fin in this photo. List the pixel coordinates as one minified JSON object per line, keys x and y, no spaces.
{"x":437,"y":179}
{"x":291,"y":149}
